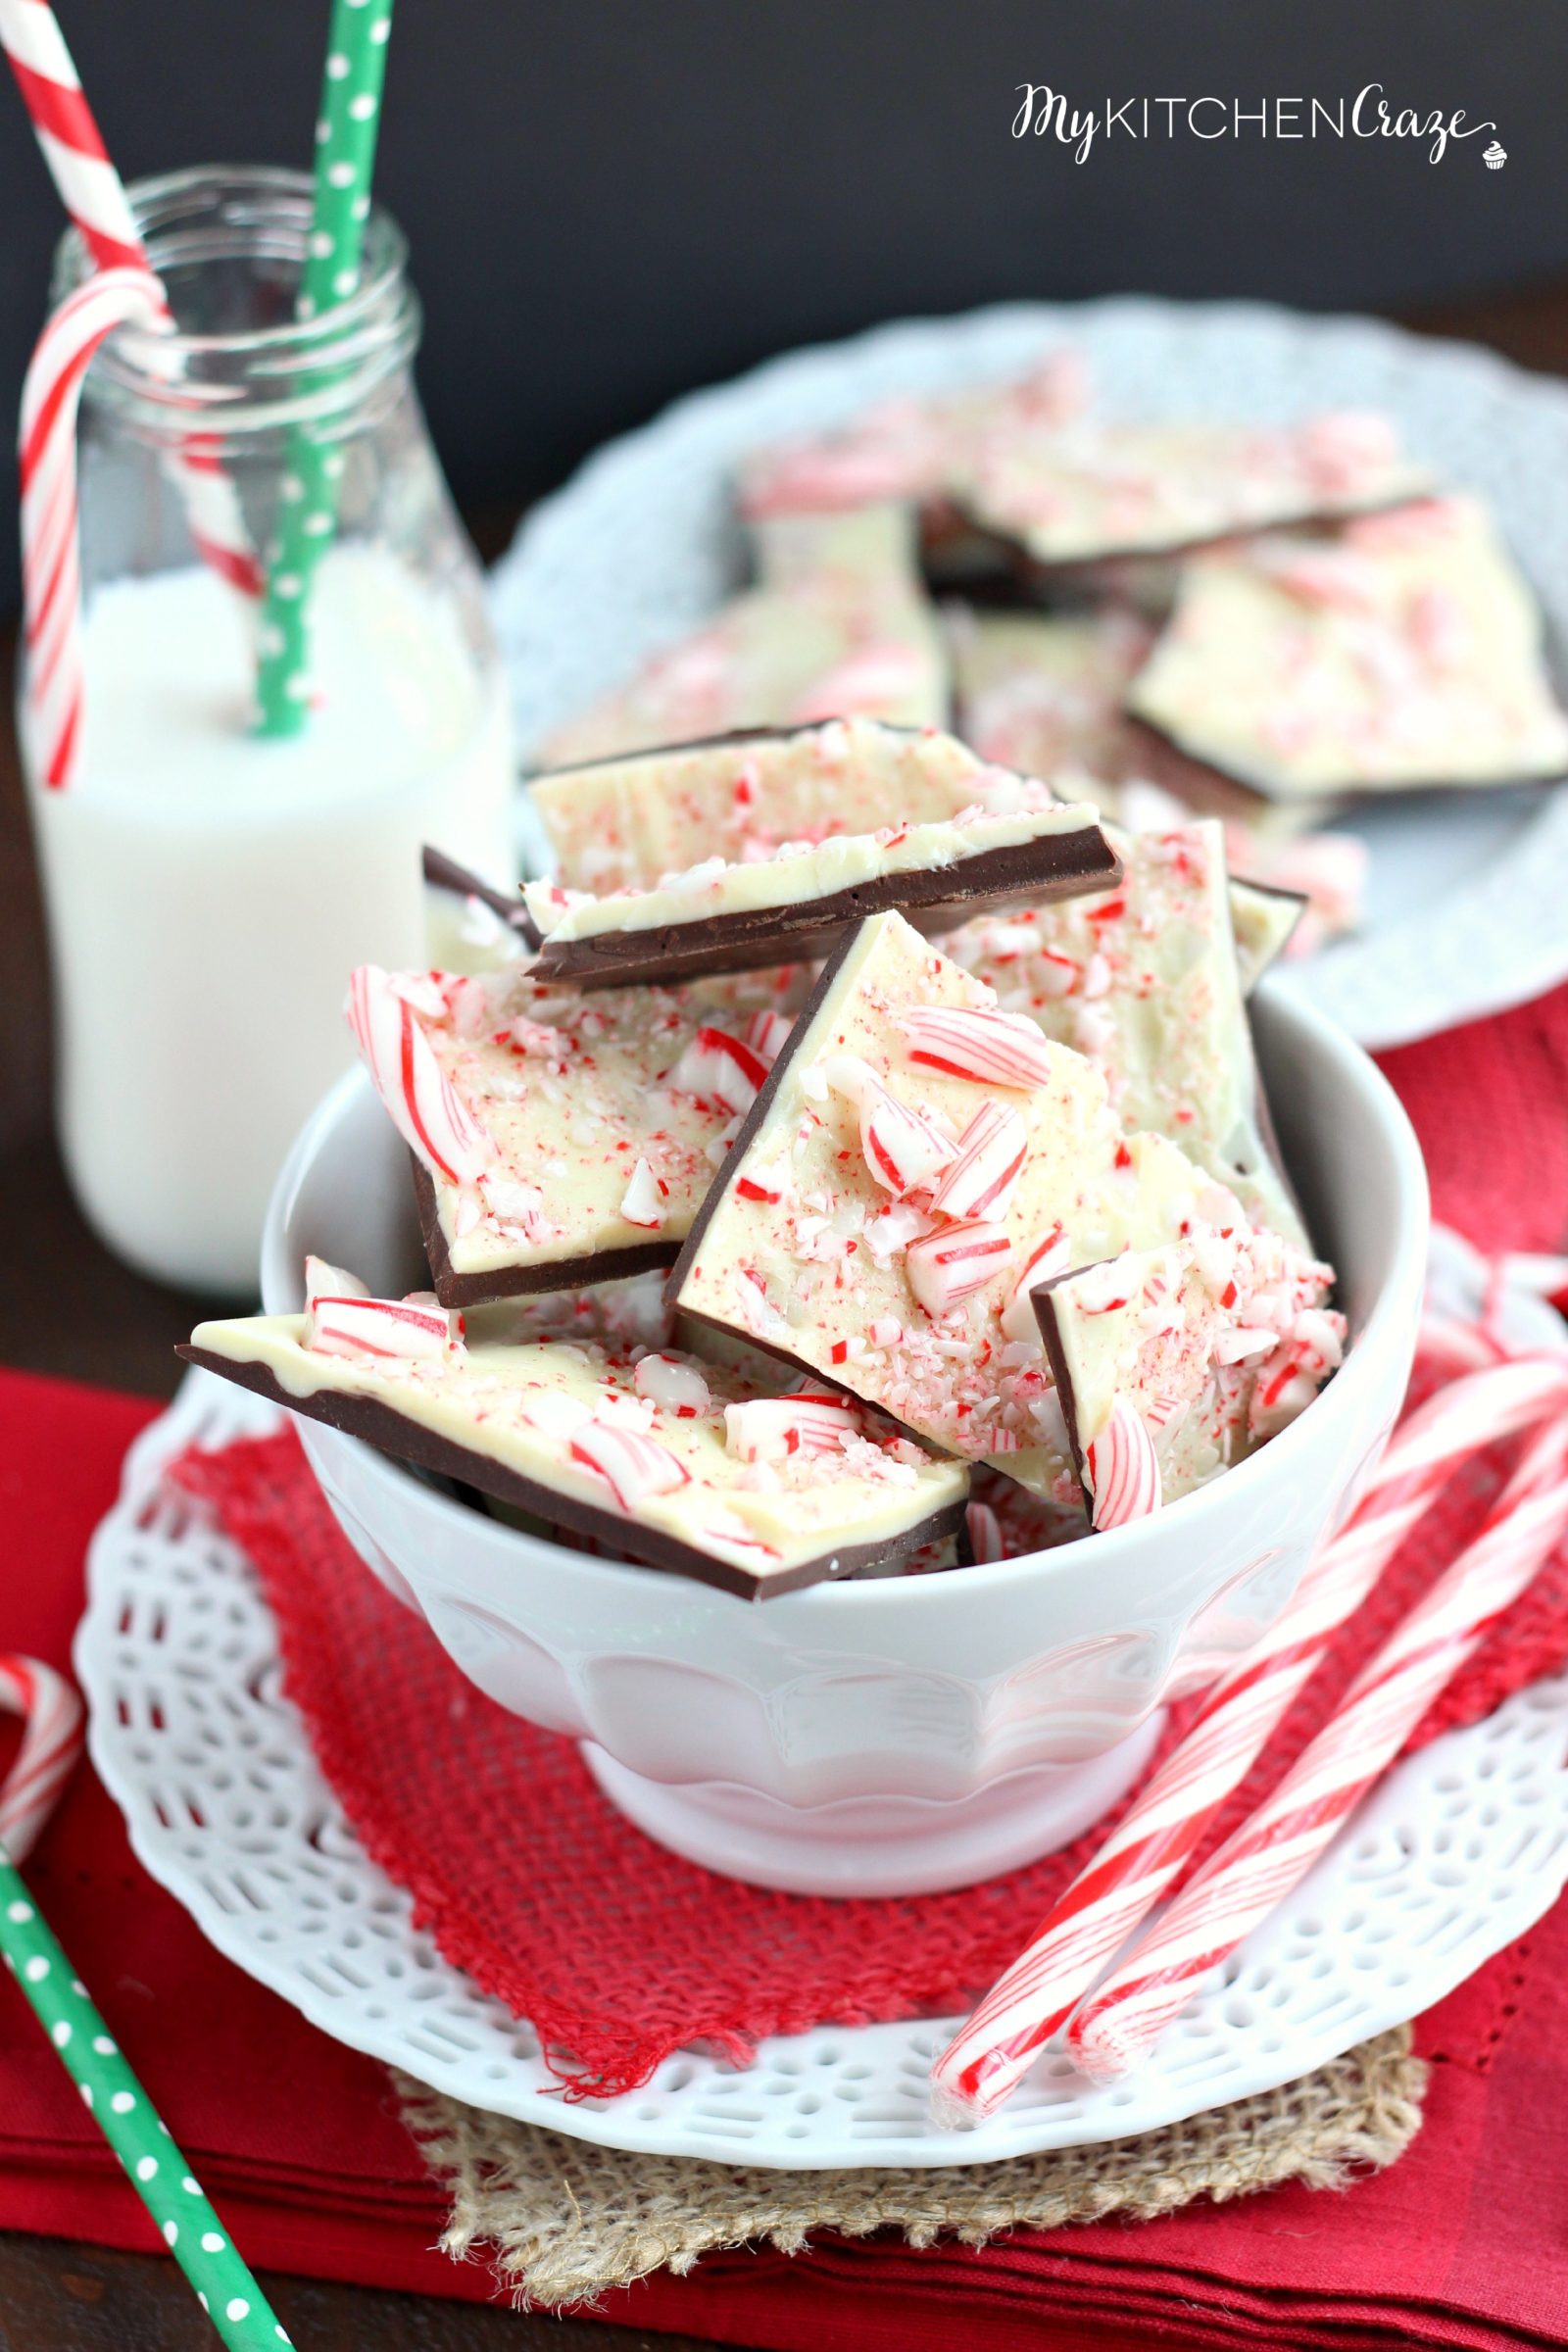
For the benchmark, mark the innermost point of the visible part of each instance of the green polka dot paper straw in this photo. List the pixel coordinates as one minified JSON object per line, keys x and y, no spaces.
{"x":345,"y":156}
{"x":128,"y":2120}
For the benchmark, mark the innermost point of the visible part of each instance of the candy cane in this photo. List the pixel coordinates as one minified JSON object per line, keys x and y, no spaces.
{"x":1272,"y":1851}
{"x":410,"y":1082}
{"x":95,"y":199}
{"x":716,"y":1067}
{"x":51,"y":1743}
{"x":1123,"y":1469}
{"x":633,"y":1466}
{"x":988,"y":1048}
{"x":1036,"y":1994}
{"x":982,"y":1178}
{"x":51,"y":579}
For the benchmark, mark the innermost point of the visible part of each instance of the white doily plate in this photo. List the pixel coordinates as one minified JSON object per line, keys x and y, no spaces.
{"x":1466,"y":895}
{"x":1462,"y":1850}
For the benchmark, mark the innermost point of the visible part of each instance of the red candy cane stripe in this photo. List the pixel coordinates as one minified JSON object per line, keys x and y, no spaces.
{"x":1034,"y":1997}
{"x":985,"y":1534}
{"x":1123,"y":1470}
{"x":410,"y":1080}
{"x":716,"y":1067}
{"x":78,"y":163}
{"x":633,"y":1466}
{"x":992,"y":1151}
{"x":768,"y":1429}
{"x":95,"y":199}
{"x":1274,"y":1850}
{"x":50,"y":579}
{"x":51,"y":1743}
{"x":946,"y":1267}
{"x":902,"y":1151}
{"x":406,"y":1330}
{"x":990,"y":1048}
{"x":765,"y":1033}
{"x":1048,"y":1257}
{"x":643,"y":1202}
{"x":324,"y":1280}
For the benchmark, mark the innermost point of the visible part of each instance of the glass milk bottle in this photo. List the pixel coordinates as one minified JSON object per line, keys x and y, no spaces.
{"x":209,"y":890}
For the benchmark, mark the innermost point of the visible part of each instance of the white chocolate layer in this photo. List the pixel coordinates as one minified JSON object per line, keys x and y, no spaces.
{"x":800,"y":871}
{"x":573,"y":1093}
{"x":1143,"y":981}
{"x":519,"y":1406}
{"x":1098,"y":489}
{"x":1405,"y":649}
{"x":1216,"y":1350}
{"x":624,"y":823}
{"x":791,"y":1253}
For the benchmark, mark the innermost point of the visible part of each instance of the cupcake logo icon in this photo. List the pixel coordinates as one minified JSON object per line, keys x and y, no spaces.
{"x":1494,"y":156}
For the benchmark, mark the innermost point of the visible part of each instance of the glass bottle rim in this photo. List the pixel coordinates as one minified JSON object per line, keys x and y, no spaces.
{"x":322,"y":372}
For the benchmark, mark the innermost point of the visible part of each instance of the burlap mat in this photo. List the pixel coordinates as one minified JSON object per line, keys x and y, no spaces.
{"x":568,"y":2220}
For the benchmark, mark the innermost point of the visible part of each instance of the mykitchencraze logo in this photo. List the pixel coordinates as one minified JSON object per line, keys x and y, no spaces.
{"x":1045,"y":113}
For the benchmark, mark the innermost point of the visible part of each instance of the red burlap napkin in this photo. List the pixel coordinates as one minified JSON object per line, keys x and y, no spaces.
{"x":617,"y":1950}
{"x":1463,"y":2242}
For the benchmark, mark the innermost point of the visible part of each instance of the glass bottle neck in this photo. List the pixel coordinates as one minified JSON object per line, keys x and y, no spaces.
{"x":228,"y":244}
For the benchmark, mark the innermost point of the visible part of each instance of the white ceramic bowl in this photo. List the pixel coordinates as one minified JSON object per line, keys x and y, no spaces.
{"x":897,"y":1735}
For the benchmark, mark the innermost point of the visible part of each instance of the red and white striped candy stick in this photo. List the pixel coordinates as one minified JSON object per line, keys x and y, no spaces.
{"x":94,"y":197}
{"x":1036,"y":1994}
{"x":51,"y":581}
{"x":410,"y":1082}
{"x":1256,"y":1868}
{"x":51,"y":1743}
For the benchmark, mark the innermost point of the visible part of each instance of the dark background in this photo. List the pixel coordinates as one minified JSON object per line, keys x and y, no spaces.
{"x":611,"y":200}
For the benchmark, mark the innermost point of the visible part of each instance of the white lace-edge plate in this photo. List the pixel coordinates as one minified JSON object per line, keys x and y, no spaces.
{"x":1466,"y":891}
{"x":1465,"y":1846}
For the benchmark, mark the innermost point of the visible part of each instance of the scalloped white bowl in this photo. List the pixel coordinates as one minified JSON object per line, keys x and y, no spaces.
{"x":895,"y":1735}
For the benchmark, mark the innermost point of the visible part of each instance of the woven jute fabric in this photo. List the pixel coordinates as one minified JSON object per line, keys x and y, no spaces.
{"x":564,"y":2220}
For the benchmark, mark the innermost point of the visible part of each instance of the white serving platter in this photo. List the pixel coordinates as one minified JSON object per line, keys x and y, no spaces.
{"x":1466,"y":899}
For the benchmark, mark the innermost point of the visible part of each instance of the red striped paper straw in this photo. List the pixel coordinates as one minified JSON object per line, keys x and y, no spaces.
{"x":1273,"y":1852}
{"x":94,"y":197}
{"x":1036,"y":1994}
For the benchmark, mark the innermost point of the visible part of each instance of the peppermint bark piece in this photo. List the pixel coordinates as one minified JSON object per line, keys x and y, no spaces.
{"x":839,"y":624}
{"x":910,"y":451}
{"x":558,"y":1138}
{"x":1045,"y":692}
{"x":918,"y":1161}
{"x":1143,"y":981}
{"x":1171,"y":1364}
{"x":1401,"y":652}
{"x":621,"y":825}
{"x":657,"y":1458}
{"x":1098,"y":489}
{"x":1264,"y":921}
{"x":792,"y":906}
{"x":470,"y":926}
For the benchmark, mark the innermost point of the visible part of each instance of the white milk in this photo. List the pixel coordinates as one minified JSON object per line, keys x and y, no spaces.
{"x":209,"y":892}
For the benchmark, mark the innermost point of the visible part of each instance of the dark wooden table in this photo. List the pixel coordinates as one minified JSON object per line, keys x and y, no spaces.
{"x":68,"y":1308}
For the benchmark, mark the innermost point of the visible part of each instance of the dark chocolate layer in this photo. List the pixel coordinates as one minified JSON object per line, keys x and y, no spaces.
{"x":391,"y":1432}
{"x":513,"y":1282}
{"x":745,"y":1135}
{"x":1045,"y":1308}
{"x":1358,"y":790}
{"x":442,"y":873}
{"x":934,"y":900}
